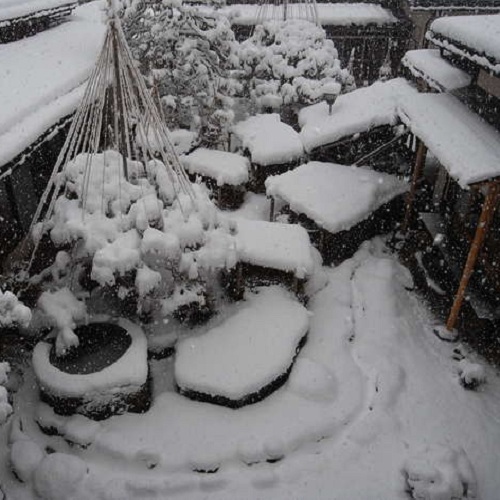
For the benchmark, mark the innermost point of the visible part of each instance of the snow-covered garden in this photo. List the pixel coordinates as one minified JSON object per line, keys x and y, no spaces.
{"x":200,"y":308}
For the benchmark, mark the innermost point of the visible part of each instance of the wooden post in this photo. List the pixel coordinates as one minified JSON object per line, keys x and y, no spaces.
{"x":417,"y":172}
{"x":271,"y":211}
{"x":487,"y":213}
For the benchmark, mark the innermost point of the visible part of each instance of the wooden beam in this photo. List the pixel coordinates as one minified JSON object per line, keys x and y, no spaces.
{"x":487,"y":213}
{"x":417,"y":172}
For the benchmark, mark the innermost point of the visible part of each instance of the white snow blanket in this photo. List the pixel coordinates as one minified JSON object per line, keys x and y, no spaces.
{"x":436,"y":71}
{"x":224,"y":167}
{"x":269,"y":141}
{"x":10,"y":9}
{"x":353,"y":113}
{"x":336,"y":197}
{"x":127,"y":374}
{"x":41,"y":78}
{"x":463,"y":143}
{"x":475,"y":37}
{"x":372,"y":407}
{"x":278,"y":246}
{"x":248,"y":351}
{"x":329,"y":14}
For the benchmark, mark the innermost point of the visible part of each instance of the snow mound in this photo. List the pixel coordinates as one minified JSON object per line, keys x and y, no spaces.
{"x":25,"y":456}
{"x":59,"y":476}
{"x":312,"y":380}
{"x":224,"y":167}
{"x":440,"y":473}
{"x":247,"y":353}
{"x":336,"y":197}
{"x":255,"y":134}
{"x":472,"y":375}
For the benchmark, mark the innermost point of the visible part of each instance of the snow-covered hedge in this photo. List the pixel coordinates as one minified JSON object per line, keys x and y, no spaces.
{"x":12,"y":311}
{"x":289,"y":61}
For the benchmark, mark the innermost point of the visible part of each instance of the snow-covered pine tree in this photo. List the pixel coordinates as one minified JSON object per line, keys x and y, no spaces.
{"x":186,"y":50}
{"x":287,"y":62}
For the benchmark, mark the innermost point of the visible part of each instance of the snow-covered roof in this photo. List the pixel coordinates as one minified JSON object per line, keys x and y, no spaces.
{"x":269,"y":141}
{"x":476,"y":38}
{"x":41,"y":78}
{"x":329,"y":14}
{"x":436,"y":71}
{"x":248,"y":351}
{"x":336,"y":197}
{"x":278,"y":246}
{"x":10,"y":9}
{"x":463,"y":143}
{"x":454,"y":5}
{"x":353,"y":113}
{"x":224,"y":167}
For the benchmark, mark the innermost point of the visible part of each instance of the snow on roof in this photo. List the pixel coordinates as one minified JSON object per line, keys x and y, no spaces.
{"x":329,"y":14}
{"x":463,"y":143}
{"x":269,"y":141}
{"x":476,"y":38}
{"x":353,"y":113}
{"x":224,"y":167}
{"x":248,"y":351}
{"x":436,"y":71}
{"x":10,"y":9}
{"x":278,"y":246}
{"x":40,"y":76}
{"x":336,"y":197}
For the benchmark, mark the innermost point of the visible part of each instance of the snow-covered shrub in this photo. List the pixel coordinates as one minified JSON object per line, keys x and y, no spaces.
{"x":5,"y":407}
{"x":186,"y":50}
{"x":472,"y":375}
{"x":289,"y":62}
{"x":153,"y":252}
{"x":12,"y":311}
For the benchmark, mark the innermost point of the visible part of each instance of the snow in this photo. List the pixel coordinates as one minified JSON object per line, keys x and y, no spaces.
{"x":278,"y":246}
{"x":10,"y":9}
{"x":336,"y":197}
{"x":466,"y":146}
{"x":335,"y":14}
{"x":13,"y":312}
{"x":471,"y":374}
{"x":127,"y":373}
{"x":478,"y":38}
{"x":41,"y":78}
{"x":436,"y":71}
{"x":353,"y":113}
{"x":25,"y":456}
{"x":62,"y":310}
{"x":248,"y":351}
{"x":255,"y":134}
{"x":224,"y":167}
{"x":58,"y":476}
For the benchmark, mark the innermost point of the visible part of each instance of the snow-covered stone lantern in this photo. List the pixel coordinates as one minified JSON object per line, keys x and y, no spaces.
{"x":331,"y":91}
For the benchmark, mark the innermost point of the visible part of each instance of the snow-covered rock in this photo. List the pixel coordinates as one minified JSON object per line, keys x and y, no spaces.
{"x":472,"y":375}
{"x":245,"y":354}
{"x":25,"y":456}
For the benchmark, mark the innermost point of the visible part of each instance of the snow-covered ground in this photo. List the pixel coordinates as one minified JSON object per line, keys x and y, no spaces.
{"x":42,"y":77}
{"x":373,"y":406}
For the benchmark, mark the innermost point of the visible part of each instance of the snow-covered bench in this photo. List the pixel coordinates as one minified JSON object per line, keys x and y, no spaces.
{"x":249,"y":356}
{"x":340,"y":205}
{"x":226,"y":174}
{"x":272,"y":146}
{"x":270,"y":253}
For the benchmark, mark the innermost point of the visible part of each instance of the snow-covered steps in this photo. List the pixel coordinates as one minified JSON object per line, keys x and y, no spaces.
{"x":249,"y":356}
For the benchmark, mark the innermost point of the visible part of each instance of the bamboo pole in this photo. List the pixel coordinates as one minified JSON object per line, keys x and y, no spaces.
{"x":271,"y":210}
{"x":417,"y":172}
{"x":487,"y":213}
